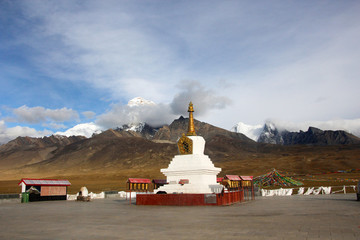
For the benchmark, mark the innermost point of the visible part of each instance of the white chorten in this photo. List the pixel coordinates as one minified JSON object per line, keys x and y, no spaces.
{"x":191,"y":171}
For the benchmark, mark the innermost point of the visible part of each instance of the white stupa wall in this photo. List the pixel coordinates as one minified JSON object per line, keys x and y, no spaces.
{"x":198,"y":145}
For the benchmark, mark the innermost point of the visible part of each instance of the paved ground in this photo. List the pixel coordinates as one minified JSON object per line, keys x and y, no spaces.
{"x":291,"y":217}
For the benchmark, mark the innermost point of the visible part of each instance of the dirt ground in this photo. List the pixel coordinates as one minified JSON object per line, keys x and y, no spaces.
{"x":335,"y":216}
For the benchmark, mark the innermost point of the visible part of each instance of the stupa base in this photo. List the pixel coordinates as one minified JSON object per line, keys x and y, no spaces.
{"x":190,"y":188}
{"x":190,"y":199}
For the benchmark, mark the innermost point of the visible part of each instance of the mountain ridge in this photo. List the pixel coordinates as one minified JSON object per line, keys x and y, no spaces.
{"x":314,"y":136}
{"x":116,"y":151}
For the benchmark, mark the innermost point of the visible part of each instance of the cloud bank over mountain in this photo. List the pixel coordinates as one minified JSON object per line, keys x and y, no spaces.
{"x":41,"y":114}
{"x":10,"y":133}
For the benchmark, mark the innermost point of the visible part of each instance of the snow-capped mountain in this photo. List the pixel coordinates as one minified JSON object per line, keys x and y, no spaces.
{"x":267,"y":133}
{"x":135,"y":127}
{"x":143,"y":129}
{"x":139,"y":101}
{"x":251,"y":131}
{"x":88,"y":129}
{"x":83,"y":129}
{"x":270,"y":133}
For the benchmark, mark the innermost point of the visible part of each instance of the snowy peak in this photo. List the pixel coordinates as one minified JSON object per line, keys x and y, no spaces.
{"x":270,"y":134}
{"x":138,"y":101}
{"x":135,"y":127}
{"x":83,"y":129}
{"x":251,"y":131}
{"x":88,"y":129}
{"x":143,"y":129}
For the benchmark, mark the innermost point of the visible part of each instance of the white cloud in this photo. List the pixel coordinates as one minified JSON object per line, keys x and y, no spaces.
{"x":41,"y":114}
{"x":88,"y":114}
{"x":288,"y":55}
{"x":54,"y":125}
{"x":119,"y":114}
{"x":103,"y":44}
{"x":203,"y":98}
{"x":7,"y":134}
{"x":83,"y":129}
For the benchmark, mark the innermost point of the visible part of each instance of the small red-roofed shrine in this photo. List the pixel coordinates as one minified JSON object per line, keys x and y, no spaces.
{"x":44,"y":189}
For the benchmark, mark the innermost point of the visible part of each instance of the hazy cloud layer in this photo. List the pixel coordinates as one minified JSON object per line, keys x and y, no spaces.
{"x":88,"y":114}
{"x":118,"y":115}
{"x":203,"y":98}
{"x":41,"y":114}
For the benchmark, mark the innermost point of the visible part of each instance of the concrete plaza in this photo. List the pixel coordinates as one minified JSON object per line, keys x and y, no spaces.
{"x":289,"y":217}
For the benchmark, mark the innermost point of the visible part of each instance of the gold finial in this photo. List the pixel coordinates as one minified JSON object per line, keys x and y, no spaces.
{"x":191,"y":108}
{"x":191,"y":129}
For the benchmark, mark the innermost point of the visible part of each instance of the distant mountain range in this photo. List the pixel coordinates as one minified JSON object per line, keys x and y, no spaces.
{"x":114,"y":150}
{"x":107,"y":158}
{"x":269,"y":133}
{"x":114,"y":155}
{"x":173,"y":132}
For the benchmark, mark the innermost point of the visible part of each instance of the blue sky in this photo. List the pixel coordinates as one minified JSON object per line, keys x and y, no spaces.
{"x":69,"y":63}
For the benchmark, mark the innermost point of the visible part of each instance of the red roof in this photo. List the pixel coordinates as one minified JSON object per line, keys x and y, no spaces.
{"x":247,"y":178}
{"x":219,"y":179}
{"x":45,"y":182}
{"x":138,"y":180}
{"x":232,"y":177}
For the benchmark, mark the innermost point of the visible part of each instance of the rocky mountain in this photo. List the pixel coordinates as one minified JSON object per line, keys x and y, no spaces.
{"x":271,"y":134}
{"x":316,"y":136}
{"x":172,"y":132}
{"x":26,"y":143}
{"x":313,"y":136}
{"x":26,"y":150}
{"x":207,"y":131}
{"x":142,"y":130}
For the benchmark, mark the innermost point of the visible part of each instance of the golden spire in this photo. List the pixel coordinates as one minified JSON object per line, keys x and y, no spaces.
{"x":191,"y":130}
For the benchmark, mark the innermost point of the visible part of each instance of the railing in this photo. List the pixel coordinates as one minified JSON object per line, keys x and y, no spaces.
{"x":219,"y":199}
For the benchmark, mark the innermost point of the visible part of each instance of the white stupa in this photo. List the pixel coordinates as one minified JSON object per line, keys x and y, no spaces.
{"x":191,"y":171}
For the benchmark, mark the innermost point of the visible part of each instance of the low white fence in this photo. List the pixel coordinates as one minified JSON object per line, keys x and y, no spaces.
{"x":301,"y":191}
{"x":121,"y":194}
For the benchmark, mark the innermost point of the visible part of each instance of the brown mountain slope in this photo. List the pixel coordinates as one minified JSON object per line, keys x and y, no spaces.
{"x":179,"y":126}
{"x":104,"y":153}
{"x":26,"y":150}
{"x":109,"y":154}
